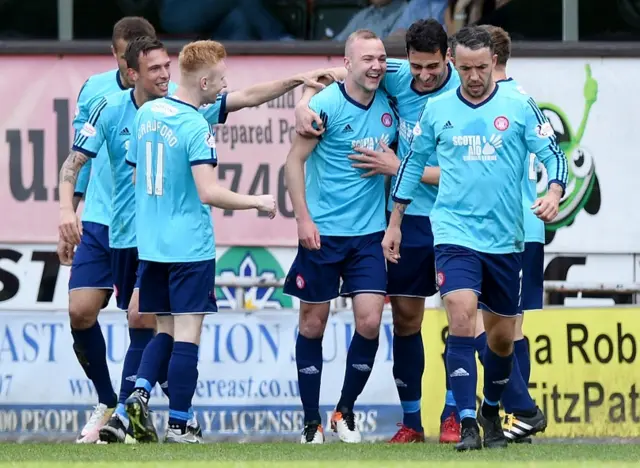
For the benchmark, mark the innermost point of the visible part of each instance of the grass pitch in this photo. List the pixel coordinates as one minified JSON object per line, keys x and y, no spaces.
{"x":289,"y":455}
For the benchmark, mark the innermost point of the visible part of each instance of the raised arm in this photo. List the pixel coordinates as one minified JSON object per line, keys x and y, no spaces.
{"x":204,"y":159}
{"x":265,"y":92}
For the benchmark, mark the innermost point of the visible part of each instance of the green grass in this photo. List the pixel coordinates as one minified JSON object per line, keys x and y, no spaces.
{"x":289,"y":455}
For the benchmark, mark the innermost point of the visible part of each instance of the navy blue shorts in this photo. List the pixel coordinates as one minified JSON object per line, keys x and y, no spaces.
{"x":91,"y":267}
{"x":315,"y":275}
{"x":533,"y":276}
{"x":415,"y":273}
{"x":124,"y":268}
{"x":178,"y":288}
{"x":495,"y":278}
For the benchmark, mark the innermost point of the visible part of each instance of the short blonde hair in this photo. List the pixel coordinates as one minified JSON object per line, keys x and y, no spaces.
{"x":359,"y":34}
{"x":198,"y":54}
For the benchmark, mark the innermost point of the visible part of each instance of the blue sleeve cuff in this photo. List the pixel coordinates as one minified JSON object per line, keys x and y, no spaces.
{"x":560,"y":183}
{"x":130,"y":163}
{"x":402,"y":201}
{"x":89,"y":154}
{"x":213,"y":162}
{"x":222,"y":118}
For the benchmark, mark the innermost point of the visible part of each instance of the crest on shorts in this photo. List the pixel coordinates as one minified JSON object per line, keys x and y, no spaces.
{"x":440,"y":278}
{"x":300,"y":283}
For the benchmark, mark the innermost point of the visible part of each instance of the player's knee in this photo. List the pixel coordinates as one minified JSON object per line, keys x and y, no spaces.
{"x":407,"y":316}
{"x":368,"y":325}
{"x":500,"y":337}
{"x":519,"y":334}
{"x":83,"y":310}
{"x":138,"y":320}
{"x":313,"y":320}
{"x":461,"y":309}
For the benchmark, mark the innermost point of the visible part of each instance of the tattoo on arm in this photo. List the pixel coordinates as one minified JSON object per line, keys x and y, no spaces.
{"x":72,"y":166}
{"x":400,"y":208}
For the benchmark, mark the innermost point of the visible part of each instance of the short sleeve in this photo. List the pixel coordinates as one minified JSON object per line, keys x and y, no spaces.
{"x":396,"y":70}
{"x":324,"y":105}
{"x":202,"y":146}
{"x":215,"y":113}
{"x":131,"y":158}
{"x":91,"y":136}
{"x":81,"y":114}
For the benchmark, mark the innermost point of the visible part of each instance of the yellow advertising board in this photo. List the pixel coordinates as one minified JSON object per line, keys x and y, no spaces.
{"x":585,"y":372}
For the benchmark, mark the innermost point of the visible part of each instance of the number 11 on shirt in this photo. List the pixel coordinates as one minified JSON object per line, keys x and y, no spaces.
{"x":159,"y":168}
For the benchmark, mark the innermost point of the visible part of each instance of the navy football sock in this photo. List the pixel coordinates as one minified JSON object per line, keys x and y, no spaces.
{"x":516,"y":397}
{"x":309,"y":365}
{"x":91,"y":351}
{"x":497,"y":371}
{"x":480,"y":343}
{"x":463,"y":374}
{"x":360,"y":358}
{"x":183,"y":378}
{"x":521,"y":350}
{"x":155,"y":356}
{"x":408,"y":367}
{"x":140,"y":338}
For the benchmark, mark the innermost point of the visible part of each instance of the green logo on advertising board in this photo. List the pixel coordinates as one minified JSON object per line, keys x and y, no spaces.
{"x":583,"y":189}
{"x":251,"y":262}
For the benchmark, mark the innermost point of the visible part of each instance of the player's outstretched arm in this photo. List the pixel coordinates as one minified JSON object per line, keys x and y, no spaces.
{"x":301,"y":149}
{"x":265,"y":92}
{"x":540,"y":139}
{"x":211,"y":193}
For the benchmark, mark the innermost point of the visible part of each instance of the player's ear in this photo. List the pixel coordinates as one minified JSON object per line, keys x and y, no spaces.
{"x":494,"y":60}
{"x":203,"y":83}
{"x":447,"y":56}
{"x":132,"y":75}
{"x":113,"y":52}
{"x":347,"y":63}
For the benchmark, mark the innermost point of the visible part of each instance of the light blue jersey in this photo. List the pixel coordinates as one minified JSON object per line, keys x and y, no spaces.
{"x":533,"y":226}
{"x":114,"y":125}
{"x":482,"y":151}
{"x":172,"y":224}
{"x":340,"y":201}
{"x":94,"y":179}
{"x":399,"y":85}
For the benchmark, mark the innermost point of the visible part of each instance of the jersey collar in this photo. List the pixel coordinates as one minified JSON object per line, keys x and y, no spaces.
{"x":352,"y":101}
{"x":472,"y":105}
{"x":119,"y":80}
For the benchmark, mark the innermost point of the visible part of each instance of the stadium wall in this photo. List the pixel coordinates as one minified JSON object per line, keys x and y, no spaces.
{"x":584,"y":358}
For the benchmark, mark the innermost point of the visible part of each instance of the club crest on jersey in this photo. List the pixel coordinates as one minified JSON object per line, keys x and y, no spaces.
{"x":210,"y":140}
{"x":501,"y":123}
{"x":417,"y":131}
{"x":387,"y":120}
